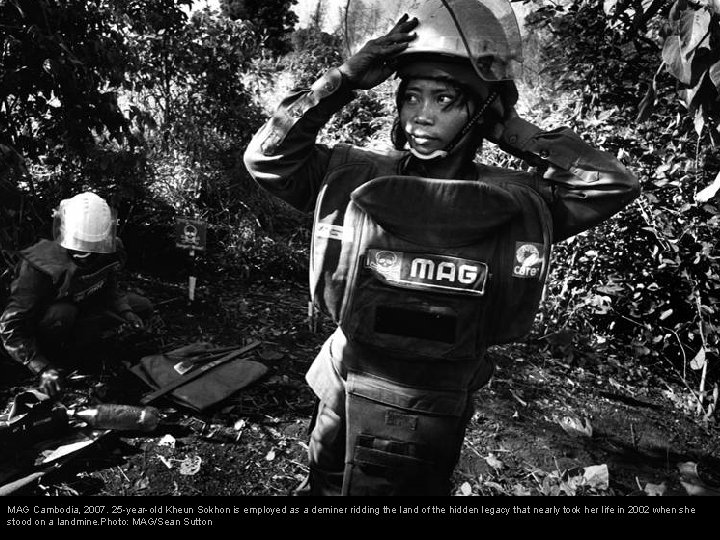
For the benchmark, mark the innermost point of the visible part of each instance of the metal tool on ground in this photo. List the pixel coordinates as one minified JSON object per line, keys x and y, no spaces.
{"x":202,"y":355}
{"x":118,"y":416}
{"x":198,"y":371}
{"x":16,"y":485}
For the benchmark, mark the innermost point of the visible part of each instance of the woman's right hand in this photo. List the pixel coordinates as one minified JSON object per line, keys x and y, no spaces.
{"x":374,"y":63}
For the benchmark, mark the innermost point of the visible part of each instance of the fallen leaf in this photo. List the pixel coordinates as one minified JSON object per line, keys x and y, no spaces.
{"x":655,"y":490}
{"x":142,"y":483}
{"x":270,"y":455}
{"x":597,"y":476}
{"x":575,"y":426}
{"x":494,"y":462}
{"x":167,"y":440}
{"x":190,"y":465}
{"x":466,"y":489}
{"x":521,"y":491}
{"x":165,"y":461}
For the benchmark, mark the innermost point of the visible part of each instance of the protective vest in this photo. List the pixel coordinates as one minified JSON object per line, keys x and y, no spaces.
{"x":71,"y":282}
{"x":434,"y":268}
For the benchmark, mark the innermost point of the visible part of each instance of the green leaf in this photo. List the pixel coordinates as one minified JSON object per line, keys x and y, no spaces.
{"x":709,"y":192}
{"x":494,"y":462}
{"x":699,"y":361}
{"x":674,"y":62}
{"x":609,"y":6}
{"x":714,"y":74}
{"x":699,"y":121}
{"x":693,"y":28}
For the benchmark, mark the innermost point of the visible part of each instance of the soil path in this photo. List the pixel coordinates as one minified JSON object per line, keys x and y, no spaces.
{"x":550,"y":423}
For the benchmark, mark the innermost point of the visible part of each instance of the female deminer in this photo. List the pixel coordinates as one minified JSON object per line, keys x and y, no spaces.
{"x":423,"y":255}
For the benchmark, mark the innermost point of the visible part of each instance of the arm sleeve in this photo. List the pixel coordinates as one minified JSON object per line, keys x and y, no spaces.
{"x":584,"y":185}
{"x":17,"y":323}
{"x":283,"y":156}
{"x":116,"y":297}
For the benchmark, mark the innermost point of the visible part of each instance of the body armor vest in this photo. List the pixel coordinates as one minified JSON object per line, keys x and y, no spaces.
{"x":423,"y":267}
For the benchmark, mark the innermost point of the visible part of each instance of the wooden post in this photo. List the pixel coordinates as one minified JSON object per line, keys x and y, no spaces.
{"x":191,"y":235}
{"x":192,"y":279}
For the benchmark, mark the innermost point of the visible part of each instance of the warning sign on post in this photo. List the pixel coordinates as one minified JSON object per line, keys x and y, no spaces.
{"x":190,"y":234}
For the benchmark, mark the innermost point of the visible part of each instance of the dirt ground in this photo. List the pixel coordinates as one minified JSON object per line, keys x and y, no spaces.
{"x":598,"y":423}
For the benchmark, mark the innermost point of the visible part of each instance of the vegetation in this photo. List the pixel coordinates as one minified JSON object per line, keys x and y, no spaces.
{"x":152,"y":107}
{"x":648,"y":278}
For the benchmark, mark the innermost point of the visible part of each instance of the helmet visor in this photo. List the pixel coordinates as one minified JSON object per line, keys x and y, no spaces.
{"x":93,"y":232}
{"x":483,"y":31}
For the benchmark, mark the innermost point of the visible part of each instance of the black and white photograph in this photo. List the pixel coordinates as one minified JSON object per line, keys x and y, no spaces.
{"x":458,"y":257}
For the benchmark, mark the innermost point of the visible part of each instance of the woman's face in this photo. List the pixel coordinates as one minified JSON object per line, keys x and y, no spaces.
{"x":432,"y":113}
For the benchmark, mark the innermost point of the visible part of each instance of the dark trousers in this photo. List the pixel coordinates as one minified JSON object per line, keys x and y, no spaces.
{"x":327,"y":454}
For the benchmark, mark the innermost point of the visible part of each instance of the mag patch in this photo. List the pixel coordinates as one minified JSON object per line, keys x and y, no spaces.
{"x":428,"y":271}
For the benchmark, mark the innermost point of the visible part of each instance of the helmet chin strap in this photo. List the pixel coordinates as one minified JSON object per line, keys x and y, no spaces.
{"x":437,"y":154}
{"x":427,"y":157}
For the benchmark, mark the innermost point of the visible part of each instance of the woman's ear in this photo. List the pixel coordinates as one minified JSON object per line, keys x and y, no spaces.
{"x":502,"y":110}
{"x":397,"y":134}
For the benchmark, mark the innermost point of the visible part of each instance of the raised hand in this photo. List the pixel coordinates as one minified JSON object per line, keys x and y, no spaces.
{"x":374,"y":63}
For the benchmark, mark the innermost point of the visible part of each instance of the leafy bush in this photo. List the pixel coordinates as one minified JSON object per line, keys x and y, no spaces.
{"x":648,"y":278}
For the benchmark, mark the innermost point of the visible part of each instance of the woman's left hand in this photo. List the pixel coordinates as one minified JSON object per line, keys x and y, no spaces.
{"x":495,"y":132}
{"x":501,"y":111}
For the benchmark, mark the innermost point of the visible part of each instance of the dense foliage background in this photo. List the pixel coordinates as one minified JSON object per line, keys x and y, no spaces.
{"x":152,"y":106}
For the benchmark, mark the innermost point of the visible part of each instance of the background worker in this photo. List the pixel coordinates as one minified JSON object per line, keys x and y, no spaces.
{"x":65,"y":292}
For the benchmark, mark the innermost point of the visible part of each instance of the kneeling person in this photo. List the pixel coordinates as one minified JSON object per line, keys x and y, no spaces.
{"x":65,"y":291}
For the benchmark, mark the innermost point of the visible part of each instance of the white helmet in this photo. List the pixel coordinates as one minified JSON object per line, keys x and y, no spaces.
{"x":86,"y":223}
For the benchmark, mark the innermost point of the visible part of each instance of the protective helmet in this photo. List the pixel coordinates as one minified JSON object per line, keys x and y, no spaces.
{"x":86,"y":223}
{"x":485,"y":32}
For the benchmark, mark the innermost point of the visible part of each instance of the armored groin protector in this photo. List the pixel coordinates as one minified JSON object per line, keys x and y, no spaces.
{"x":401,"y":440}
